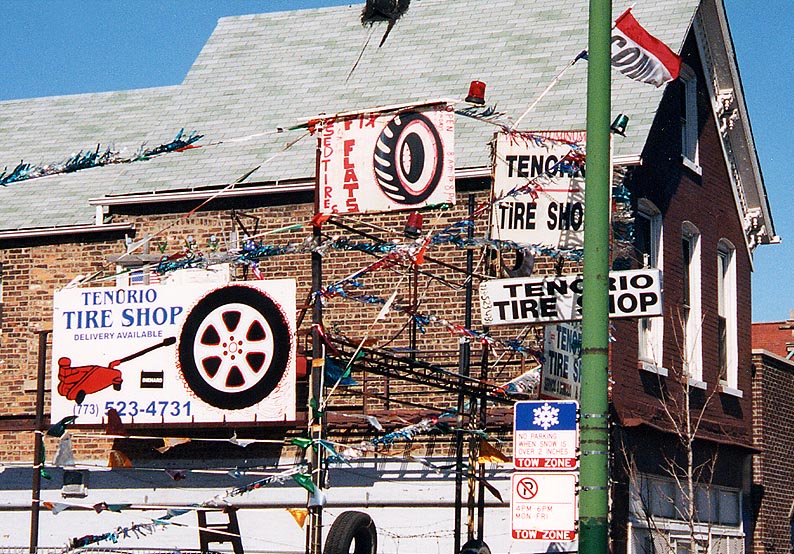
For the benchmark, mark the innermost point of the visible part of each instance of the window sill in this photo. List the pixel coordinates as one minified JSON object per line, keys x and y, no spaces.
{"x":651,"y":367}
{"x":697,"y":384}
{"x":725,"y":389}
{"x":692,"y":166}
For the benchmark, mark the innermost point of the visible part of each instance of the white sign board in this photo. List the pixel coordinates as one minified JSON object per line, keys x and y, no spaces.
{"x":193,"y":352}
{"x":549,"y":210}
{"x":545,"y":435}
{"x":561,"y":375}
{"x":387,"y":161}
{"x":634,"y":293}
{"x":543,"y":506}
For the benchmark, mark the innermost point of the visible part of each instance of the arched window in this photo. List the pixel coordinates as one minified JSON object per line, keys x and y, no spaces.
{"x":689,"y":118}
{"x":691,"y":311}
{"x":727,"y":341}
{"x":648,"y":244}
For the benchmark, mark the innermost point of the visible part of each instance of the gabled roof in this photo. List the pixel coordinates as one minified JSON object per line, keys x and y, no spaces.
{"x":260,"y":73}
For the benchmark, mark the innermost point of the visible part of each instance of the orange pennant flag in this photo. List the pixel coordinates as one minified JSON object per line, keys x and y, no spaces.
{"x":489,"y":453}
{"x":170,"y":442}
{"x":299,"y":514}
{"x":118,"y":459}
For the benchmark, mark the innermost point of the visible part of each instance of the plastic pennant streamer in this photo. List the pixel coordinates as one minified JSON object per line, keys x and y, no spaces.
{"x":372,"y":420}
{"x":118,"y":459}
{"x":489,"y":453}
{"x":170,"y":442}
{"x":240,"y":442}
{"x":524,"y":383}
{"x":55,"y":507}
{"x":299,"y":514}
{"x":42,"y":459}
{"x":102,"y":506}
{"x":301,"y":442}
{"x":305,"y":481}
{"x":176,"y":474}
{"x":58,"y":429}
{"x":114,"y":425}
{"x":317,"y":499}
{"x":335,"y":374}
{"x":493,"y":490}
{"x":63,"y":454}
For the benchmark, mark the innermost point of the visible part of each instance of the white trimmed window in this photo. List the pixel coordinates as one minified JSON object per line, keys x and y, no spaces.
{"x":727,"y":315}
{"x":648,"y":242}
{"x":691,"y":311}
{"x":689,"y":118}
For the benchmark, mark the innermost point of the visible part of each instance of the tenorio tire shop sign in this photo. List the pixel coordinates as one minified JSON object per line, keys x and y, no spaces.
{"x":175,"y":353}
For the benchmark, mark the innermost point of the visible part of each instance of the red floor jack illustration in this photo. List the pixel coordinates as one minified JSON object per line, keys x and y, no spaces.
{"x":76,"y":382}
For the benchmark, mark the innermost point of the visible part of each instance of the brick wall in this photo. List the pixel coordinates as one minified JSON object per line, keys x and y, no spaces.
{"x":773,"y":469}
{"x":705,"y":200}
{"x":32,"y":273}
{"x":774,"y":336}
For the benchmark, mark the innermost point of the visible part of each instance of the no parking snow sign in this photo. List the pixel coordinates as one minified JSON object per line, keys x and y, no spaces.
{"x":545,"y":435}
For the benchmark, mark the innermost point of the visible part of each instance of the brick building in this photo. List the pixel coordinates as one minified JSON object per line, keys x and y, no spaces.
{"x":773,"y":378}
{"x":686,"y":162}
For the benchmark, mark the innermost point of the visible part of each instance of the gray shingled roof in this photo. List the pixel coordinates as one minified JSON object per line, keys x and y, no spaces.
{"x":257,"y":73}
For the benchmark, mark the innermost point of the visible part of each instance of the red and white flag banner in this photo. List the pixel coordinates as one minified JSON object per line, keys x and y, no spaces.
{"x":641,"y":56}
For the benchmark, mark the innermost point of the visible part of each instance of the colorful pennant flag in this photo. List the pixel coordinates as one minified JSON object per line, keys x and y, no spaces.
{"x":170,"y":442}
{"x":641,"y":56}
{"x":114,"y":425}
{"x":489,"y":453}
{"x":118,"y":459}
{"x":304,"y":481}
{"x":63,"y":454}
{"x":58,"y":429}
{"x":299,"y":514}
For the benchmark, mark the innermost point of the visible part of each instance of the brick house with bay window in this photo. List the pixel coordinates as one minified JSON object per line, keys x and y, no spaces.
{"x":698,"y":211}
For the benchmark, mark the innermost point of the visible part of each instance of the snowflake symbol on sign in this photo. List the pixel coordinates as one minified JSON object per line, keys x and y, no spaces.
{"x":546,"y":416}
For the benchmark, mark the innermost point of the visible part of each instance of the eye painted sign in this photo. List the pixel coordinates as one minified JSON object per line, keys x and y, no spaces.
{"x":398,"y":160}
{"x":193,"y":352}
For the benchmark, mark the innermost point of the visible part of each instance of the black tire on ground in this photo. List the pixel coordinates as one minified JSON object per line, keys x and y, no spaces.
{"x":475,"y":546}
{"x":352,"y":533}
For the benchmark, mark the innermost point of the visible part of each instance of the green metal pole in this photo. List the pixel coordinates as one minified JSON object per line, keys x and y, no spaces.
{"x":594,"y":432}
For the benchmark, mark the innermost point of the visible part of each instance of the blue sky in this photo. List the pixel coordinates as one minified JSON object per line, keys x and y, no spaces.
{"x":55,"y":47}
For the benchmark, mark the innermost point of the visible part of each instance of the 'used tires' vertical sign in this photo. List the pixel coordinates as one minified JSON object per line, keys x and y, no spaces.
{"x":396,"y":159}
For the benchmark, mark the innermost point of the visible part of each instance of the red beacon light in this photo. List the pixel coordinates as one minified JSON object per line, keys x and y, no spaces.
{"x":476,"y":93}
{"x":413,"y":227}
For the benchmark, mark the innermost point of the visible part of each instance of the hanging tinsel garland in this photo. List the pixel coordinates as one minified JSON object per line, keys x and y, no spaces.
{"x":86,"y":159}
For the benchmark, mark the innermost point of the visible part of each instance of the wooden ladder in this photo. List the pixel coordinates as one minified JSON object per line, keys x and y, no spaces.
{"x":219,"y":532}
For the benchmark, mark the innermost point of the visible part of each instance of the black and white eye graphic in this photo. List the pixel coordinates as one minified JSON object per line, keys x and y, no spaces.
{"x":234,"y":347}
{"x":409,"y":158}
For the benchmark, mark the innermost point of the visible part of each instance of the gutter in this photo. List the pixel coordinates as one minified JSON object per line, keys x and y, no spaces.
{"x":68,"y":230}
{"x":303,"y":186}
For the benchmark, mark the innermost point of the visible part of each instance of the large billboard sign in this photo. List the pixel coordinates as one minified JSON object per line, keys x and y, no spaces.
{"x":538,"y":187}
{"x":396,"y":160}
{"x":633,"y":293}
{"x":184,"y":353}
